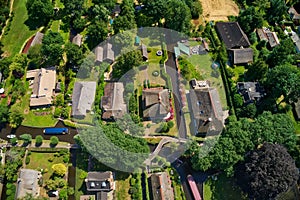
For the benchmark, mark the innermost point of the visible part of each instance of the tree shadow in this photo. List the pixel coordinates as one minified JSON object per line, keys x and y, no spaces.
{"x":33,"y":24}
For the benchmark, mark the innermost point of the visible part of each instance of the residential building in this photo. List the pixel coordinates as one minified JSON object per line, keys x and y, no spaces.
{"x":294,"y":12}
{"x":104,"y":53}
{"x":156,"y":103}
{"x":144,"y":52}
{"x":269,"y":36}
{"x":100,"y":184}
{"x":297,"y":110}
{"x":206,"y":109}
{"x":236,"y":42}
{"x":28,"y":183}
{"x":112,"y":102}
{"x":184,"y":48}
{"x":36,"y":39}
{"x":250,"y":91}
{"x":77,"y":39}
{"x":42,"y":82}
{"x":83,"y":98}
{"x":161,"y":188}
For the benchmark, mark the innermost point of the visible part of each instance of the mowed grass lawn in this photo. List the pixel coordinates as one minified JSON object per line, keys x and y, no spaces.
{"x":19,"y":32}
{"x":33,"y":120}
{"x":222,"y":188}
{"x":203,"y":64}
{"x":40,"y":161}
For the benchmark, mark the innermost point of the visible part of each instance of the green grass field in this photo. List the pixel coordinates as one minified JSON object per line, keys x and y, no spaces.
{"x":222,"y":188}
{"x":203,"y":63}
{"x":33,"y":120}
{"x":19,"y":32}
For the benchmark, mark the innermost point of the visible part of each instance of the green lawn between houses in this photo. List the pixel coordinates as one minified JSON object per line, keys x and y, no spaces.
{"x":19,"y":32}
{"x":222,"y":188}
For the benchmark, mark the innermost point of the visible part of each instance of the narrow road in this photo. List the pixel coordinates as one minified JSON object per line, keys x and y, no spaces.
{"x":173,"y":73}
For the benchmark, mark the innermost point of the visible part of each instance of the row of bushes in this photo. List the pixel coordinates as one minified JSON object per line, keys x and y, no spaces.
{"x":135,"y":189}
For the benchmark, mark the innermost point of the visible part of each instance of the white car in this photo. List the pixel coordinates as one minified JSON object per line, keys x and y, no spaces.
{"x":11,"y":136}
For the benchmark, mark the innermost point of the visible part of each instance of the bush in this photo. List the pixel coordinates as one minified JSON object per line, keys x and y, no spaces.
{"x":54,"y":140}
{"x":13,"y":141}
{"x":132,"y":181}
{"x":9,"y":185}
{"x":26,"y":138}
{"x":27,"y":160}
{"x":39,"y":140}
{"x":57,"y":112}
{"x":170,"y":124}
{"x":66,"y":159}
{"x":50,"y":159}
{"x":8,"y":192}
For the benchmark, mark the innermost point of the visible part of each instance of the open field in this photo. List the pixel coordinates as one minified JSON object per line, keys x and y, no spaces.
{"x":18,"y":32}
{"x":218,"y":10}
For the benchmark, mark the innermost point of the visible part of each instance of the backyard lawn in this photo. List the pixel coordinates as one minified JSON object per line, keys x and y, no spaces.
{"x":19,"y":32}
{"x":31,"y":119}
{"x":222,"y":188}
{"x":122,"y":187}
{"x":203,"y":63}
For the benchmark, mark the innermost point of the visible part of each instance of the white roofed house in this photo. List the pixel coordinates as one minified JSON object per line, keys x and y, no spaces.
{"x":42,"y":82}
{"x":28,"y":183}
{"x":83,"y":98}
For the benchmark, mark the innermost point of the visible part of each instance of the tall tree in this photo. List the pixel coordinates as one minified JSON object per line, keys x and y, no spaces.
{"x":39,"y":11}
{"x":177,"y":16}
{"x":257,"y":71}
{"x":97,"y":32}
{"x":3,"y":113}
{"x":277,"y":11}
{"x":282,"y":53}
{"x":16,"y":116}
{"x":52,"y":48}
{"x":250,"y":19}
{"x":126,"y":20}
{"x":284,"y":80}
{"x":267,"y":172}
{"x":18,"y":66}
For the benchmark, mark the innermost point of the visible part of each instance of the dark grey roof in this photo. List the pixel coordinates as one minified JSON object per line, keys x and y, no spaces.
{"x":244,"y":55}
{"x":251,"y":91}
{"x":297,"y":109}
{"x":206,"y":109}
{"x":156,"y":103}
{"x":99,"y":181}
{"x":28,"y":183}
{"x":112,"y":102}
{"x":104,"y":53}
{"x":83,"y":97}
{"x":232,"y":35}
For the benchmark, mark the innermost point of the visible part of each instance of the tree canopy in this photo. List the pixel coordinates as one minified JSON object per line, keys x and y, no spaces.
{"x":52,"y":48}
{"x":284,"y":80}
{"x":239,"y":137}
{"x":59,"y":169}
{"x":267,"y":172}
{"x":39,"y":11}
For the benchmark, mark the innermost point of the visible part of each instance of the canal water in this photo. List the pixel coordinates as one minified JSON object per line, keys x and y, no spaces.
{"x":7,"y":130}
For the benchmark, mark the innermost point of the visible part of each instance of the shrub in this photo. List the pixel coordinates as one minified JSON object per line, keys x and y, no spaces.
{"x":170,"y":124}
{"x":13,"y":141}
{"x":26,"y":138}
{"x":27,"y":160}
{"x":54,"y":140}
{"x":8,"y":192}
{"x":50,"y":159}
{"x":59,"y":169}
{"x":39,"y":140}
{"x":66,"y":159}
{"x":9,"y":185}
{"x":132,"y":181}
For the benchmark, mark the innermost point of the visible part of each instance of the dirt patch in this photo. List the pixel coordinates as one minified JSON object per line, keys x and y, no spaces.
{"x":218,"y":10}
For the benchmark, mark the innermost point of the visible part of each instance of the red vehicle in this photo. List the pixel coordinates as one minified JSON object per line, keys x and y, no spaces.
{"x":194,"y":188}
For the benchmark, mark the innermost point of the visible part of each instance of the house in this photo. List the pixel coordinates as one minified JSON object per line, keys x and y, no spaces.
{"x":156,"y":103}
{"x":36,"y":39}
{"x":104,"y":53}
{"x":161,"y":188}
{"x":100,"y":184}
{"x":206,"y":109}
{"x":236,"y":42}
{"x":77,"y":39}
{"x":294,"y":13}
{"x":83,"y":98}
{"x":297,"y":110}
{"x":116,"y":11}
{"x":269,"y":36}
{"x":112,"y":103}
{"x":42,"y":82}
{"x":28,"y":183}
{"x":250,"y":91}
{"x":144,"y":52}
{"x":183,"y":48}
